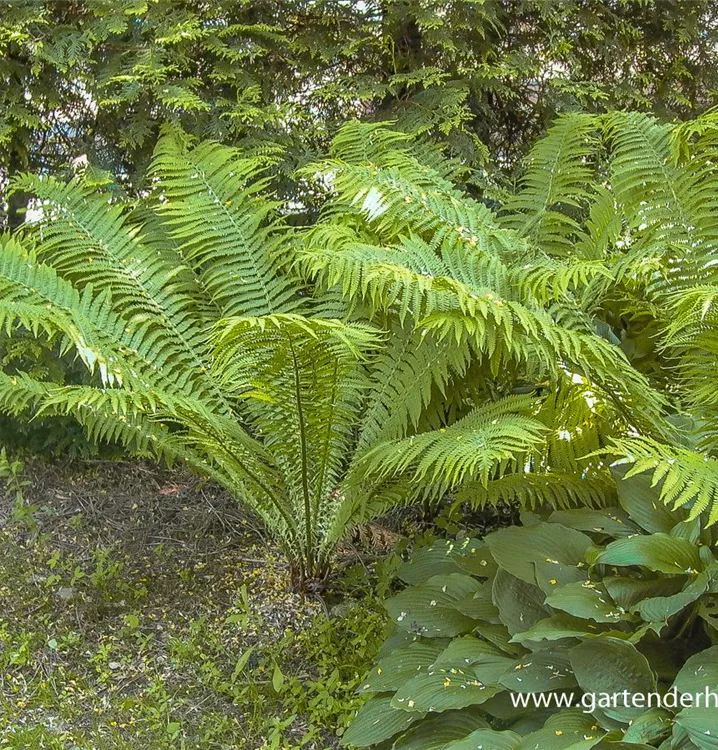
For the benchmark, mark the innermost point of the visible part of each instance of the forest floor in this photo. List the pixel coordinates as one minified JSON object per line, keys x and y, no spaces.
{"x":140,"y":609}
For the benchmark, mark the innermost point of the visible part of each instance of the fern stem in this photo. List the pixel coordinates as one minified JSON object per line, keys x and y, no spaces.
{"x":303,"y":450}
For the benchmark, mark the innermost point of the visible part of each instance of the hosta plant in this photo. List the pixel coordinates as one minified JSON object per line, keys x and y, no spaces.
{"x":581,"y":601}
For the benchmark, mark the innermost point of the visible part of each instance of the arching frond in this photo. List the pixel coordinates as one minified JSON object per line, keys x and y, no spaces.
{"x":537,"y":489}
{"x":558,"y":179}
{"x":211,"y":198}
{"x":473,"y":448}
{"x":685,"y":477}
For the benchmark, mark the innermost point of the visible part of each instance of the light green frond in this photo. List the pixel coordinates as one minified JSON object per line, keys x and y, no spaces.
{"x":475,"y":447}
{"x":667,"y":205}
{"x":87,"y":242}
{"x":35,"y":297}
{"x":556,"y":185}
{"x":685,"y":477}
{"x":302,"y":382}
{"x":228,"y":232}
{"x":403,"y":377}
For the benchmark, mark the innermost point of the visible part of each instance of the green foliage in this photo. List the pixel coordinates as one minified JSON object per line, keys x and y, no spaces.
{"x":168,"y":635}
{"x":88,"y":85}
{"x":579,"y":603}
{"x":388,"y":352}
{"x":623,"y":206}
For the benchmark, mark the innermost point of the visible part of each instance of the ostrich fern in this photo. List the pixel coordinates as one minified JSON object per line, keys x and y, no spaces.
{"x":407,"y":344}
{"x":623,"y":208}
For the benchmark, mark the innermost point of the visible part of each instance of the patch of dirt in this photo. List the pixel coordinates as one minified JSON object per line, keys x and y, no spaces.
{"x":135,"y":592}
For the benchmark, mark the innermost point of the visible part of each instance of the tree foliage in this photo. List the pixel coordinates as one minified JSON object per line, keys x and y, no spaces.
{"x":94,"y":81}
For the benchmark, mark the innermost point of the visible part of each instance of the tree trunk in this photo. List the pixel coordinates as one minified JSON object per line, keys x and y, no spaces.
{"x":17,"y":202}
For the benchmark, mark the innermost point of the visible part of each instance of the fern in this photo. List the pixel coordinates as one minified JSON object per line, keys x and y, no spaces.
{"x":409,"y":343}
{"x":558,"y":180}
{"x":644,"y":229}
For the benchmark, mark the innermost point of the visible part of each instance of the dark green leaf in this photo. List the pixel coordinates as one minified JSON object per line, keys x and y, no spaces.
{"x":609,"y":665}
{"x":657,"y":552}
{"x":377,"y":721}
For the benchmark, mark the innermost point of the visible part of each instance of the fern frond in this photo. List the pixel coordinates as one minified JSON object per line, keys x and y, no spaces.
{"x":472,"y":448}
{"x":537,"y":489}
{"x":556,"y":184}
{"x":685,"y":477}
{"x":404,"y":375}
{"x":211,"y":199}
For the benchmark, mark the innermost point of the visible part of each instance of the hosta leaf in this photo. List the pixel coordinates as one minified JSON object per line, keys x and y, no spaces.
{"x":486,"y":739}
{"x":549,"y":575}
{"x":628,"y":592}
{"x":612,"y":521}
{"x":691,"y":530}
{"x":611,"y":665}
{"x":434,"y":559}
{"x":487,"y":661}
{"x":474,"y":557}
{"x":659,"y":609}
{"x":520,"y":604}
{"x":394,"y":670}
{"x":429,"y":610}
{"x":467,"y":650}
{"x":399,"y":639}
{"x":517,"y":548}
{"x":377,"y":721}
{"x":540,"y":671}
{"x":586,"y":600}
{"x":654,"y":724}
{"x":436,"y":733}
{"x":557,"y":627}
{"x":443,"y":689}
{"x":479,"y":606}
{"x":502,"y":707}
{"x":701,"y":725}
{"x":708,"y":610}
{"x":500,"y":637}
{"x":642,"y":502}
{"x":657,"y":552}
{"x":562,"y":731}
{"x":698,"y":673}
{"x":457,"y":585}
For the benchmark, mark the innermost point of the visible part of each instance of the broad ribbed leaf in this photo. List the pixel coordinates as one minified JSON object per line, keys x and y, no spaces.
{"x":540,"y":671}
{"x":520,"y":604}
{"x":377,"y":721}
{"x":486,"y":738}
{"x":658,"y":552}
{"x":443,"y":689}
{"x":701,"y":726}
{"x":609,"y":665}
{"x":430,"y":609}
{"x":516,"y":549}
{"x":401,"y":665}
{"x":587,"y":600}
{"x":436,"y":733}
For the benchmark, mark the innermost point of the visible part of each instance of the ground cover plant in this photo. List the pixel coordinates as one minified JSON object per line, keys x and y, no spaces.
{"x":601,"y":601}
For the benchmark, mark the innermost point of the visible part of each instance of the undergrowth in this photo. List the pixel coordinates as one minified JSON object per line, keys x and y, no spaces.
{"x":137,"y":612}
